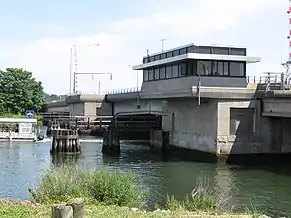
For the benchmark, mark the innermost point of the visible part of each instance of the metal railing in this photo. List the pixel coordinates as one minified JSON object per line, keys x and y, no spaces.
{"x":264,"y":79}
{"x":124,"y":90}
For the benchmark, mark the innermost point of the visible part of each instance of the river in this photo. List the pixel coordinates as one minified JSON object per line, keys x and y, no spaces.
{"x":267,"y":189}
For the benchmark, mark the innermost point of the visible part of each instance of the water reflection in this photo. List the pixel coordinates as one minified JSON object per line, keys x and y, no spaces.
{"x":61,"y":159}
{"x":23,"y":164}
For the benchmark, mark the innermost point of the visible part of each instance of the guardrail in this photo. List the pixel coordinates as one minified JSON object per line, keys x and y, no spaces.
{"x":264,"y":79}
{"x":124,"y":90}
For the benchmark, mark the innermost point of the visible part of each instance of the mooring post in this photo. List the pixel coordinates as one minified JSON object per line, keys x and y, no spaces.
{"x":111,"y":142}
{"x":66,"y":140}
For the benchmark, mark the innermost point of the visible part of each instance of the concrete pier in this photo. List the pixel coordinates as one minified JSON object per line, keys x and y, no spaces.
{"x":66,"y":141}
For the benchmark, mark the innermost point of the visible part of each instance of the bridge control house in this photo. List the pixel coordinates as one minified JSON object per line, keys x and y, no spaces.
{"x":209,"y":105}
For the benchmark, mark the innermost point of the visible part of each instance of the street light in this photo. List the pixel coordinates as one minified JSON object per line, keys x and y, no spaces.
{"x":136,"y":77}
{"x":162,"y":40}
{"x":74,"y":50}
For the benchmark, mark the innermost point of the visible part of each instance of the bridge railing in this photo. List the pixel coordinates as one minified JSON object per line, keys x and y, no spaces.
{"x":124,"y":90}
{"x":264,"y":79}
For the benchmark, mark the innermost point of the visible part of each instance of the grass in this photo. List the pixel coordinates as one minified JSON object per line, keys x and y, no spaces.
{"x":44,"y":211}
{"x":113,"y":194}
{"x":99,"y":186}
{"x":202,"y":199}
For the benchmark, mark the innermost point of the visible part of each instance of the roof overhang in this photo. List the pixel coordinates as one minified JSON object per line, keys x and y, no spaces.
{"x":195,"y":56}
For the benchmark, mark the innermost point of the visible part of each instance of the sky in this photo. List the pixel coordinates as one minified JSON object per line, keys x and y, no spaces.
{"x":38,"y":35}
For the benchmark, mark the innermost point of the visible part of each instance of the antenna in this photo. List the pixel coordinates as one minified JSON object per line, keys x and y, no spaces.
{"x":76,"y":69}
{"x":287,"y":64}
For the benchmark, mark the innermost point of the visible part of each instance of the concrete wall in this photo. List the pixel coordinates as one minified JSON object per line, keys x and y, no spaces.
{"x":277,"y":107}
{"x":77,"y":109}
{"x":58,"y":109}
{"x":232,"y":143}
{"x":266,"y":135}
{"x":164,"y":87}
{"x":105,"y":109}
{"x":192,"y":126}
{"x":130,"y":106}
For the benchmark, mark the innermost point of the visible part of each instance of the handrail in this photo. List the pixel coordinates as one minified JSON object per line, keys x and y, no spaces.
{"x":124,"y":90}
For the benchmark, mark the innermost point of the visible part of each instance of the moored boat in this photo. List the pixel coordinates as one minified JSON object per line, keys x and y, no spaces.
{"x":18,"y":129}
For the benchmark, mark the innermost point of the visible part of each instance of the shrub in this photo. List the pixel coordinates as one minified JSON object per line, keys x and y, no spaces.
{"x":103,"y":186}
{"x":202,"y":199}
{"x":60,"y":184}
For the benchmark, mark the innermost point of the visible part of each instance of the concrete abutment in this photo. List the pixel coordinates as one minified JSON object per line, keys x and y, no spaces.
{"x":233,"y":129}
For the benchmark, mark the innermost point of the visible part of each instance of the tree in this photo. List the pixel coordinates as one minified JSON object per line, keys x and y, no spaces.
{"x":19,"y":91}
{"x":52,"y":97}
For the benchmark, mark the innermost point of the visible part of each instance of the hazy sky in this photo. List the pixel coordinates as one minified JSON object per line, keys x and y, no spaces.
{"x":37,"y":35}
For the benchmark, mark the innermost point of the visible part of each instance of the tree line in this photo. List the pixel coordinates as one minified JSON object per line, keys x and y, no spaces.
{"x":20,"y":91}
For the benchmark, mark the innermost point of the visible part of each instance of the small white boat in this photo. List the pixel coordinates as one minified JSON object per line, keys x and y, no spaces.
{"x":18,"y":129}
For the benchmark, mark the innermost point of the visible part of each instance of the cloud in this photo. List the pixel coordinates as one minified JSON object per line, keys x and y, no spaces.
{"x":124,"y":42}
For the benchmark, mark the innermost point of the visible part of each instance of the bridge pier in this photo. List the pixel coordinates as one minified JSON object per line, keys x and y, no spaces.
{"x":66,"y":141}
{"x":111,"y":142}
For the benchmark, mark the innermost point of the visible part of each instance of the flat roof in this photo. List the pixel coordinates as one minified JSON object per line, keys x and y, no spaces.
{"x":193,"y":44}
{"x":17,"y":120}
{"x":196,"y":56}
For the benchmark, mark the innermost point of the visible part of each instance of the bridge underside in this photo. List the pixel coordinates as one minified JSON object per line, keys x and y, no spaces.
{"x":138,"y":122}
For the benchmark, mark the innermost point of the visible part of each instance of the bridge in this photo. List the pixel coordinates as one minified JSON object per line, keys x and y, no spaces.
{"x":217,"y":111}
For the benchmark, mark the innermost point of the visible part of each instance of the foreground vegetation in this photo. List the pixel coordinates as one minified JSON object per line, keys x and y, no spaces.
{"x":111,"y":194}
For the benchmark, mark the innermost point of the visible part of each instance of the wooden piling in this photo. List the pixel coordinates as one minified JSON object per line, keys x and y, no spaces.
{"x":66,"y":141}
{"x":111,"y":142}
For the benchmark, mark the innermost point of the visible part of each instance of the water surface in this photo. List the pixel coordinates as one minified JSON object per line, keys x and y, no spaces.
{"x":268,"y":189}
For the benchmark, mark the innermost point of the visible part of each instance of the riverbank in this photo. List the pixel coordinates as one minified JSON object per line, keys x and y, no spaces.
{"x":108,"y":193}
{"x":13,"y":208}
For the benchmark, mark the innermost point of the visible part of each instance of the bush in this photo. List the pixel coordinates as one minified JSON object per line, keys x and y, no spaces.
{"x":202,"y":199}
{"x":102,"y":186}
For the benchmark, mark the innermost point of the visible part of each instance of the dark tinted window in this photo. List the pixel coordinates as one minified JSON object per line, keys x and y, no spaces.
{"x":236,"y":69}
{"x":214,"y":70}
{"x":203,"y":50}
{"x":183,"y":51}
{"x":175,"y":53}
{"x":169,"y":71}
{"x":157,"y":57}
{"x":151,"y":74}
{"x":157,"y":73}
{"x":191,"y":49}
{"x":162,"y":72}
{"x":225,"y":68}
{"x":204,"y":67}
{"x":175,"y":70}
{"x":145,"y":75}
{"x":219,"y":50}
{"x":238,"y":51}
{"x":163,"y":56}
{"x":182,"y":69}
{"x":220,"y":68}
{"x":169,"y":54}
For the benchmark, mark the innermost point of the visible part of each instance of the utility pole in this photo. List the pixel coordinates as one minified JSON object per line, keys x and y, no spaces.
{"x":75,"y":73}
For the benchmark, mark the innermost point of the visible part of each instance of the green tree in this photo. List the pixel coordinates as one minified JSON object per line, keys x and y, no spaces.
{"x":19,"y":91}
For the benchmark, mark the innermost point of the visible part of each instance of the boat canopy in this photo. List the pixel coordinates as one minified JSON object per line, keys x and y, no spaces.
{"x":17,"y":120}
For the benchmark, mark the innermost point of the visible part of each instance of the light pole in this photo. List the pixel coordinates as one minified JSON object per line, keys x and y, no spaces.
{"x":99,"y":83}
{"x":162,"y":40}
{"x":73,"y":52}
{"x":137,"y":83}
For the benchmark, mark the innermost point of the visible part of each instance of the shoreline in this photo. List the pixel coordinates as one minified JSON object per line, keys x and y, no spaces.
{"x":26,"y":208}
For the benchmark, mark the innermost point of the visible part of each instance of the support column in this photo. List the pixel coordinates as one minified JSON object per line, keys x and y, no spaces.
{"x":111,"y":142}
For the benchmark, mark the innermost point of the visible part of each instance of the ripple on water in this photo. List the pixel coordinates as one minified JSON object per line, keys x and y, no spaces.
{"x":23,"y":164}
